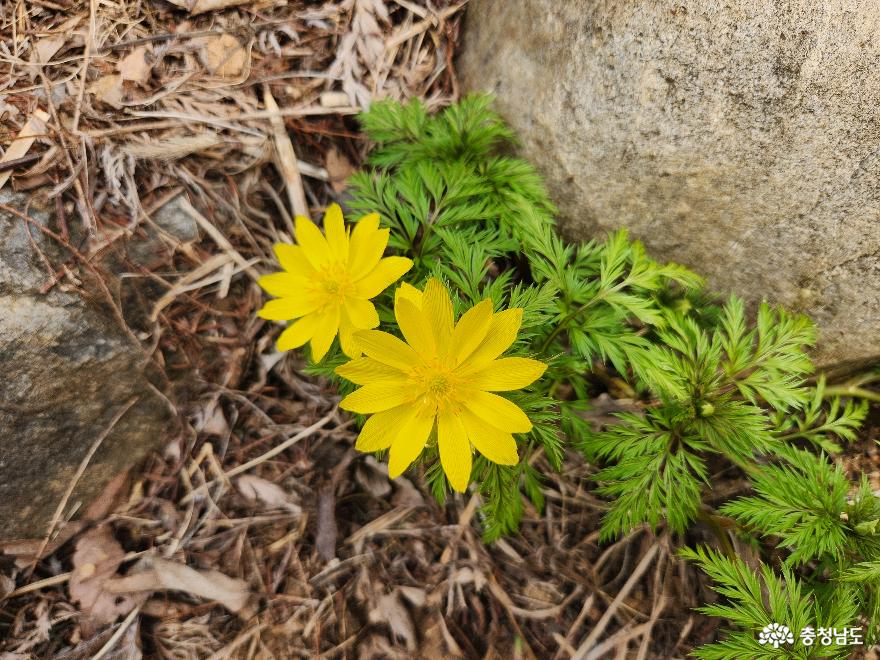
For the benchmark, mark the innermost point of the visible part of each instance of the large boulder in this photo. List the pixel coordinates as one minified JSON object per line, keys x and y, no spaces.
{"x":740,"y":138}
{"x":68,"y":370}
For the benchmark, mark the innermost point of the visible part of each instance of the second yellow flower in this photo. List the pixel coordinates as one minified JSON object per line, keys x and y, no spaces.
{"x":328,"y":282}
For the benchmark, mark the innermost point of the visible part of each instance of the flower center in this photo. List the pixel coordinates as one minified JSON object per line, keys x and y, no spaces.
{"x":333,"y":284}
{"x":436,"y":384}
{"x":439,"y":386}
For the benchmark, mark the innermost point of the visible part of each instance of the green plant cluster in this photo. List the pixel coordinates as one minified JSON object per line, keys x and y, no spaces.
{"x":718,"y":392}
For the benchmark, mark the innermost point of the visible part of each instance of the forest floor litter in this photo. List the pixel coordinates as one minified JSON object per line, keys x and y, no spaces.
{"x":182,"y":136}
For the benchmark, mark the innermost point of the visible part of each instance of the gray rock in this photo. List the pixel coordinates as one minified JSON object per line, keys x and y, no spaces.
{"x":170,"y":224}
{"x":740,"y":138}
{"x":68,"y":368}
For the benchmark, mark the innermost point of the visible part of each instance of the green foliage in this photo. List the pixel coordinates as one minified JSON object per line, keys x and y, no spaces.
{"x":803,"y":502}
{"x":481,"y":221}
{"x":657,"y":474}
{"x":757,"y":599}
{"x":717,"y":388}
{"x":819,"y":423}
{"x":807,"y":505}
{"x":720,"y":391}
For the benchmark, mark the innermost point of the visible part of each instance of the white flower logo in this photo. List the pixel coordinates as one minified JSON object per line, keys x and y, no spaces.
{"x":776,"y":635}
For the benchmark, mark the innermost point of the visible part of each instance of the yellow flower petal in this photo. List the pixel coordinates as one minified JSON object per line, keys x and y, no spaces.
{"x":365,"y":370}
{"x":381,"y":429}
{"x":470,"y":331}
{"x":292,"y":259}
{"x":361,"y":313}
{"x":365,"y":226}
{"x":502,"y":333}
{"x":297,"y":333}
{"x":346,"y":336}
{"x":387,"y":349}
{"x":409,"y":292}
{"x":367,"y":246}
{"x":376,"y":397}
{"x":386,"y":273}
{"x":334,"y":228}
{"x":325,"y":332}
{"x":283,"y":285}
{"x":410,"y":441}
{"x":405,"y":386}
{"x":496,"y":445}
{"x":285,"y":309}
{"x":497,"y":411}
{"x":455,"y":450}
{"x":505,"y":374}
{"x":437,"y":308}
{"x":414,"y":327}
{"x":314,"y":245}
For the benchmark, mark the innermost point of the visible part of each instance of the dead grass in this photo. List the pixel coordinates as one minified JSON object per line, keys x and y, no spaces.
{"x":258,"y":533}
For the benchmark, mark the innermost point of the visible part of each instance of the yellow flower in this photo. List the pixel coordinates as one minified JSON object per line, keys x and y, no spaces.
{"x":327,"y":283}
{"x":443,"y":376}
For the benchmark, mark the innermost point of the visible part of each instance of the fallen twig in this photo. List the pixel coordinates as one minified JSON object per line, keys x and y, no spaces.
{"x":587,"y":645}
{"x":286,"y":162}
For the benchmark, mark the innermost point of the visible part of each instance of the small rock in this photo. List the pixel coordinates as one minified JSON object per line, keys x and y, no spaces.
{"x":171,"y":224}
{"x":68,"y":368}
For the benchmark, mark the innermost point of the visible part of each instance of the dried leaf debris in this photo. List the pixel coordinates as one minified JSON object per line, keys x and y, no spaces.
{"x":258,"y":533}
{"x":95,"y":561}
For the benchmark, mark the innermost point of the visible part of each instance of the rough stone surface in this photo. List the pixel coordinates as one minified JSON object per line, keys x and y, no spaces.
{"x":171,"y":225}
{"x":67,"y":370}
{"x":740,"y":138}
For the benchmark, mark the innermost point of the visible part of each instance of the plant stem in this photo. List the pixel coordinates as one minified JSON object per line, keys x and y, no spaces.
{"x":574,"y":314}
{"x":852,"y":390}
{"x":717,"y":524}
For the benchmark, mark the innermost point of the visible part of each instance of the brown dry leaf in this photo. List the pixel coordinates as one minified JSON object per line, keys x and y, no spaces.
{"x":108,"y":89}
{"x":7,"y":586}
{"x":269,"y":494}
{"x":365,"y":23}
{"x":223,"y":55}
{"x":172,"y":147}
{"x":155,"y":574}
{"x":136,"y":66}
{"x":467,"y":575}
{"x":213,"y":421}
{"x":437,"y":643}
{"x":46,"y":47}
{"x":363,"y":46}
{"x":406,"y":495}
{"x":542,"y":591}
{"x":34,"y":126}
{"x":95,"y":561}
{"x":339,"y":168}
{"x":201,"y":6}
{"x":391,"y":611}
{"x":333,"y":99}
{"x":373,"y":477}
{"x":126,"y":648}
{"x":38,"y":632}
{"x":415,"y":595}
